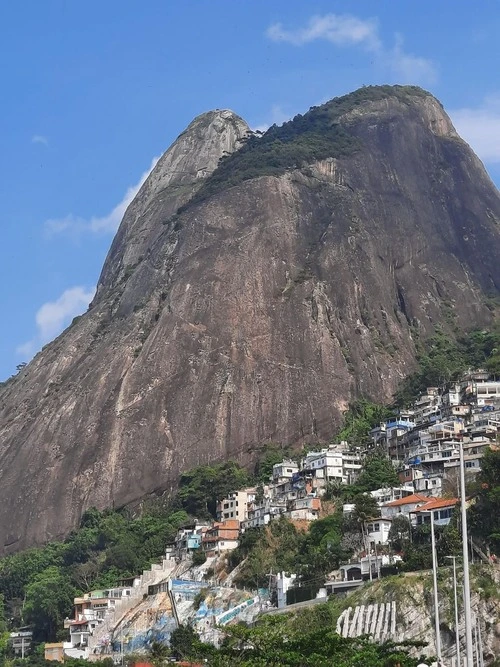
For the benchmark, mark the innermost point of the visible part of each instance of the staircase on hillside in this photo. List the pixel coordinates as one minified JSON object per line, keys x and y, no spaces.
{"x":100,"y":640}
{"x":377,"y":620}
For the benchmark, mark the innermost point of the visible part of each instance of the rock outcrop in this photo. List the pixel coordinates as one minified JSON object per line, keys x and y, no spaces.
{"x":250,"y":302}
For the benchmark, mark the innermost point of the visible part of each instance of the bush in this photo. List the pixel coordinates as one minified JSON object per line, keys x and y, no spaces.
{"x":199,"y":557}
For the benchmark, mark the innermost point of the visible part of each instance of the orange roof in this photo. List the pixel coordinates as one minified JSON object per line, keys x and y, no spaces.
{"x":409,"y":500}
{"x":437,"y":504}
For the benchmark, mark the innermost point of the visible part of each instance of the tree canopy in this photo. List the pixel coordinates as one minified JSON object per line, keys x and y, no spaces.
{"x":485,"y":511}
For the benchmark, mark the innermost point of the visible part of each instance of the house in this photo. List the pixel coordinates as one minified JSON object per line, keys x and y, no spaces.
{"x":389,"y":494}
{"x":260,"y":514}
{"x":284,"y":470}
{"x":442,"y":509}
{"x":366,"y":567}
{"x":306,"y":509}
{"x":20,"y":641}
{"x":429,"y":484}
{"x":222,"y":536}
{"x":377,"y":531}
{"x":333,"y":464}
{"x":280,"y":584}
{"x":54,"y":651}
{"x":404,"y":506}
{"x":235,"y":505}
{"x":189,"y":538}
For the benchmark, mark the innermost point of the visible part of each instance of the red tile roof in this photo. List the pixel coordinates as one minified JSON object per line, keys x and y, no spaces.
{"x":437,"y":504}
{"x":414,"y":499}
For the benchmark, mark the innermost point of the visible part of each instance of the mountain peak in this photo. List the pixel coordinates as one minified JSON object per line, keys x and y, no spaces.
{"x":297,"y":279}
{"x":176,"y":177}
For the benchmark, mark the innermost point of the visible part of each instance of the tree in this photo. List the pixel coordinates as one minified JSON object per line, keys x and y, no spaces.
{"x":276,"y":641}
{"x":399,"y":533}
{"x":185,"y":644}
{"x":362,"y":416}
{"x":202,"y":487}
{"x":49,"y":600}
{"x":485,"y":512}
{"x":378,"y":473}
{"x":158,"y":654}
{"x":4,"y":634}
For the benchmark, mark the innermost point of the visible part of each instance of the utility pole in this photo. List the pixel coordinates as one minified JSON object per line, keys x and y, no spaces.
{"x":436,"y":602}
{"x":465,"y":549}
{"x":480,"y":639}
{"x":457,"y":631}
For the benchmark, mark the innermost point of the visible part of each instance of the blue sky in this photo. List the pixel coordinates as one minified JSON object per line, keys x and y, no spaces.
{"x":93,"y":91}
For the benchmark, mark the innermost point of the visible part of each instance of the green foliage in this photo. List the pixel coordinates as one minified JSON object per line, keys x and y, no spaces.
{"x":444,"y":358}
{"x":485,"y":512}
{"x":281,"y":547}
{"x":399,"y":533}
{"x":361,"y":417}
{"x":417,"y":552}
{"x":202,"y":487}
{"x":378,"y":473}
{"x":158,"y":654}
{"x":277,"y":641}
{"x":316,"y":135}
{"x":106,"y":547}
{"x":49,"y":599}
{"x":185,"y":644}
{"x":270,"y":455}
{"x":199,"y":557}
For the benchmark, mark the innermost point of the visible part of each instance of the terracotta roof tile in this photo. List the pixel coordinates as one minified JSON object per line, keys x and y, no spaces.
{"x":438,"y":503}
{"x":409,"y":500}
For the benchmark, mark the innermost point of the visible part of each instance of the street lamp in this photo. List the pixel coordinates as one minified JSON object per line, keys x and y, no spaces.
{"x":465,"y":548}
{"x":436,"y":602}
{"x":457,"y":632}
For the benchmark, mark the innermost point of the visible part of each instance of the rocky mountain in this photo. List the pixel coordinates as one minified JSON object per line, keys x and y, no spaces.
{"x":257,"y":284}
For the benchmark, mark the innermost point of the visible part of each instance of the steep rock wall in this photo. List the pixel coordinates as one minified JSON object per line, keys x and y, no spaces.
{"x":252,"y":315}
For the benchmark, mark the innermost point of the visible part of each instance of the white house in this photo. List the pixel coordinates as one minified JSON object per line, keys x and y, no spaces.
{"x":404,"y":506}
{"x":377,"y":531}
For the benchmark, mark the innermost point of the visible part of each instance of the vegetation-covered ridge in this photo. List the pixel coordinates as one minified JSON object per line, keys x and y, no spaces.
{"x":442,"y":359}
{"x":315,"y":135}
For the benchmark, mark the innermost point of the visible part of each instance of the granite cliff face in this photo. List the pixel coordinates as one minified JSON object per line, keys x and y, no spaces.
{"x":250,"y":302}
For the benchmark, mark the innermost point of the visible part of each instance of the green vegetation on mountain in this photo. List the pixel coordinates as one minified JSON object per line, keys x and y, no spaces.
{"x":280,"y":546}
{"x":443,"y":358}
{"x":316,"y":135}
{"x":305,"y":640}
{"x":39,"y":584}
{"x":200,"y":488}
{"x":485,"y":512}
{"x":362,"y":416}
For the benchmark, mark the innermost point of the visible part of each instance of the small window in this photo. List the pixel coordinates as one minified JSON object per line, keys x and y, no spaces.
{"x":377,"y":526}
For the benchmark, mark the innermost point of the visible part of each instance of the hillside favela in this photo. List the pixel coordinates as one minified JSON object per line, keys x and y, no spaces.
{"x":270,"y":433}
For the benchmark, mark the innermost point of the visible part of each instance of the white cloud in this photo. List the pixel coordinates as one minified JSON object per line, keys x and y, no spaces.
{"x":277,"y":116}
{"x":52,"y":317}
{"x":480,"y":127}
{"x":39,"y":139}
{"x":347,"y":30}
{"x":104,"y":224}
{"x":409,"y":68}
{"x":339,"y":29}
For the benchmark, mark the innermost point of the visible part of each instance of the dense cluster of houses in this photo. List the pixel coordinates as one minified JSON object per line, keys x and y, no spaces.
{"x":294,"y":491}
{"x":423,"y":443}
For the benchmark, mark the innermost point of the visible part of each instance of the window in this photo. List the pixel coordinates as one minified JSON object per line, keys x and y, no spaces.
{"x":377,"y":526}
